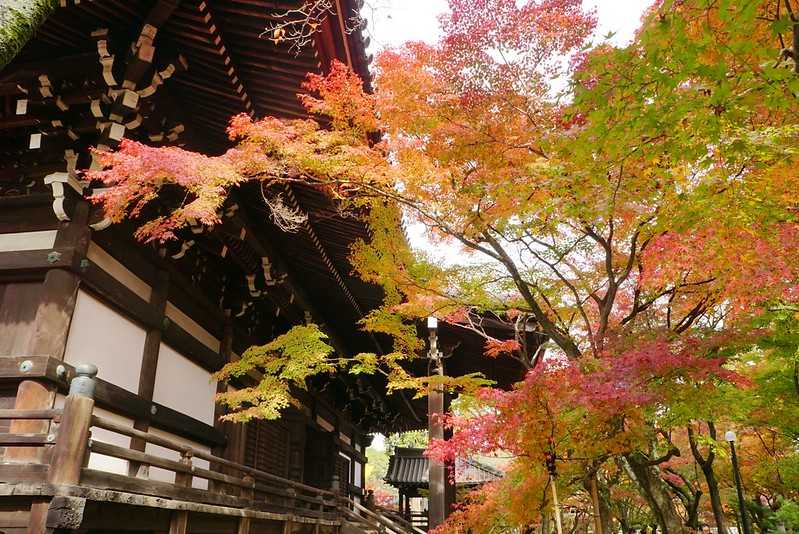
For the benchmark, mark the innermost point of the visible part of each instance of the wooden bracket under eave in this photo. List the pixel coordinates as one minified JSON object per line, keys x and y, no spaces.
{"x":66,"y":192}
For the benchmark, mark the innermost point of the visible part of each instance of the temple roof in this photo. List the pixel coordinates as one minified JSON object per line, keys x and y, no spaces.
{"x":409,"y":468}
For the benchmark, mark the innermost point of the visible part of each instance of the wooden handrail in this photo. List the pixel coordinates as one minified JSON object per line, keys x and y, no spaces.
{"x":25,"y":440}
{"x":383,"y":520}
{"x":394,"y":515}
{"x":115,"y":451}
{"x":106,"y":424}
{"x":7,"y":414}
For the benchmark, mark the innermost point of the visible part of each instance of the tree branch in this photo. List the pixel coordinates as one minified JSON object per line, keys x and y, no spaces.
{"x":557,"y":335}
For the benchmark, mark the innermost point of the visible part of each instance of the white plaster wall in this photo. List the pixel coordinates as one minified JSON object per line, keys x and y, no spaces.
{"x":184,"y":386}
{"x":156,"y":473}
{"x":357,"y":479}
{"x":40,"y":240}
{"x":101,"y":462}
{"x":100,"y":335}
{"x":109,"y":264}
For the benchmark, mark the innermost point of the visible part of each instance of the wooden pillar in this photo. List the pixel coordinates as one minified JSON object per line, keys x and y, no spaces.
{"x":449,"y":467}
{"x":437,"y":476}
{"x":363,"y":468}
{"x":152,"y":342}
{"x":441,"y":494}
{"x":60,"y":288}
{"x":51,"y":328}
{"x":179,"y":522}
{"x":149,"y":365}
{"x":234,"y":448}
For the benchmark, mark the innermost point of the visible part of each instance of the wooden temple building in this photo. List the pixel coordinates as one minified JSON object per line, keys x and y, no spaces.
{"x":140,"y":447}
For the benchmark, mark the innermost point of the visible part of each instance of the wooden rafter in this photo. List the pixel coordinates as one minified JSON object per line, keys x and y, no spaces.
{"x":221,"y":49}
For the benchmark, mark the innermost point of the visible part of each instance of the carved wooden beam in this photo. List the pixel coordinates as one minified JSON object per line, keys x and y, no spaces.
{"x":123,"y":112}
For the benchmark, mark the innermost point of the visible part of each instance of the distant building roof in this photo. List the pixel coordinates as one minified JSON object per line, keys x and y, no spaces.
{"x":409,"y":467}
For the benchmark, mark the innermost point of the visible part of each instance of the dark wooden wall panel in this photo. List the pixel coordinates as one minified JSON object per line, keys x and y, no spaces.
{"x":29,"y":214}
{"x":343,"y":470}
{"x":267,"y":447}
{"x":18,"y":304}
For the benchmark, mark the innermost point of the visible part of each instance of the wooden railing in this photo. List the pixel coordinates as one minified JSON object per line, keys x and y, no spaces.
{"x":248,"y":487}
{"x":394,"y":515}
{"x":380,"y":520}
{"x":15,"y":471}
{"x":58,"y":374}
{"x":233,"y":489}
{"x":419,"y":520}
{"x":28,"y":439}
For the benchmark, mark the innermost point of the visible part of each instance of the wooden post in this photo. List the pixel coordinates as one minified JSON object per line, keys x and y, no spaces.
{"x":234,"y":447}
{"x":184,"y":479}
{"x":248,"y":493}
{"x":438,"y":501}
{"x":73,"y":434}
{"x":335,"y":487}
{"x":321,"y":500}
{"x":179,"y":522}
{"x":72,"y":442}
{"x":244,"y":526}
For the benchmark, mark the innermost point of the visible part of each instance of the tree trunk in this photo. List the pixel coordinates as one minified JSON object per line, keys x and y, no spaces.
{"x":545,"y":523}
{"x":706,"y":464}
{"x":625,"y":528}
{"x":600,"y":505}
{"x":715,"y":498}
{"x":654,"y":490}
{"x":18,"y":21}
{"x":605,"y":513}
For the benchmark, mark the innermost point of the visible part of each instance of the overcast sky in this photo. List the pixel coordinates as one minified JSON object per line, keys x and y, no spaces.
{"x":392,"y":22}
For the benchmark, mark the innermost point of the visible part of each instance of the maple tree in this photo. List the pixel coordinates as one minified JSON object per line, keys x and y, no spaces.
{"x":635,"y":206}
